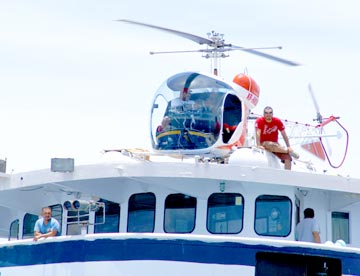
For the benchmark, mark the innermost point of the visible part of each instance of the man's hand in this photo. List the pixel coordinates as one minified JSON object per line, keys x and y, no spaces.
{"x":37,"y":236}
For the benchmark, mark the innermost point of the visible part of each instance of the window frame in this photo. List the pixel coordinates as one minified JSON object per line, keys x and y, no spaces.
{"x":226,"y":212}
{"x":115,"y":213}
{"x":14,"y":222}
{"x":186,"y":198}
{"x":271,"y":221}
{"x":144,"y":211}
{"x":29,"y":221}
{"x":347,"y":218}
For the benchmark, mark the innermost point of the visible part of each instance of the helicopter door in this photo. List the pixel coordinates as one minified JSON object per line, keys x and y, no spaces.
{"x":232,"y":116}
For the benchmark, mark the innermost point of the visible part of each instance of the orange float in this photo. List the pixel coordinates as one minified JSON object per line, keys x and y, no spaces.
{"x":248,"y":83}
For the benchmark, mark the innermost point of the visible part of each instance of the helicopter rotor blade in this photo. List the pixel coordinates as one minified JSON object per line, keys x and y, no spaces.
{"x":319,"y":118}
{"x":217,"y":45}
{"x":268,"y":56}
{"x":198,"y":39}
{"x":181,"y":51}
{"x":216,"y":50}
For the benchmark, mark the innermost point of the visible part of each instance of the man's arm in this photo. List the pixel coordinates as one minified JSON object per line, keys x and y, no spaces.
{"x":316,"y":237}
{"x":38,"y":235}
{"x":286,"y":138}
{"x":258,"y":133}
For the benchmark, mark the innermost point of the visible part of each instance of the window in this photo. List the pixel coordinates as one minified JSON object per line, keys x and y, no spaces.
{"x":273,"y":215}
{"x":297,"y":210}
{"x":112,"y":218}
{"x":14,"y":230}
{"x":225,"y":213}
{"x":340,"y":226}
{"x":180,"y":212}
{"x":28,"y":226}
{"x":141,"y":213}
{"x":57,"y":212}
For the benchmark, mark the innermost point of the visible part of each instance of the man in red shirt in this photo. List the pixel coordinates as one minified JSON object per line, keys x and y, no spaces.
{"x":267,"y":130}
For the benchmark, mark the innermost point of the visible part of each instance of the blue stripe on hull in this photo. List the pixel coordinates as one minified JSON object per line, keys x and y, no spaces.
{"x":105,"y":249}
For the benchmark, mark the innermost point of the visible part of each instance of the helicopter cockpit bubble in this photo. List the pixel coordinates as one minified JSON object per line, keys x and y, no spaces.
{"x":194,"y":113}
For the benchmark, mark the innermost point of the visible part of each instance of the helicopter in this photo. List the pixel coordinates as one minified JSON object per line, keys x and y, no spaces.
{"x":201,"y":114}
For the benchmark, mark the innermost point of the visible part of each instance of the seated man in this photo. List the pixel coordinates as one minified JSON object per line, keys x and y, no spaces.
{"x":267,"y":128}
{"x":165,"y":125}
{"x":164,"y":140}
{"x":183,"y":101}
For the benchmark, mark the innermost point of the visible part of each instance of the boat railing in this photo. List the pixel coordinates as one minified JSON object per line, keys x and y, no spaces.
{"x":79,"y":212}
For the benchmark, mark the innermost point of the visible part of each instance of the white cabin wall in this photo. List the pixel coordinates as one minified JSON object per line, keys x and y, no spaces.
{"x":354,"y":212}
{"x":159,"y":209}
{"x":7,"y":216}
{"x":201,"y":216}
{"x":249,"y":214}
{"x":123,"y":216}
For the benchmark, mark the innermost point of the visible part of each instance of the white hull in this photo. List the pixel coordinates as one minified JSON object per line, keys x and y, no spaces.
{"x":127,"y":268}
{"x":160,"y":254}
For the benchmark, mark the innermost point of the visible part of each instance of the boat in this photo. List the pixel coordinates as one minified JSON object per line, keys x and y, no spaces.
{"x":204,"y":200}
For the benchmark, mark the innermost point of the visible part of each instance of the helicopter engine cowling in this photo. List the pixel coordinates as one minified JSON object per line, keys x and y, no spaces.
{"x":248,"y":89}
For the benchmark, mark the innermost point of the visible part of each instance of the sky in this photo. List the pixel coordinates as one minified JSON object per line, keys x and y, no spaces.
{"x":74,"y":81}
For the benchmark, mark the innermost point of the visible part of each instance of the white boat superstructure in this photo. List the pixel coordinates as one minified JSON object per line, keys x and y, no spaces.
{"x":190,"y":201}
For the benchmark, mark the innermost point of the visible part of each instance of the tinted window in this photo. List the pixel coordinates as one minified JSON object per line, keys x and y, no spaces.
{"x":28,"y":227}
{"x":225,"y":213}
{"x":141,"y":213}
{"x":14,"y":230}
{"x":110,"y":222}
{"x":180,"y":212}
{"x":340,"y":226}
{"x":57,"y":212}
{"x":273,"y":215}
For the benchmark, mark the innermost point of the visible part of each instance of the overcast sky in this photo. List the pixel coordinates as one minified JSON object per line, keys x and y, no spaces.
{"x":73,"y":81}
